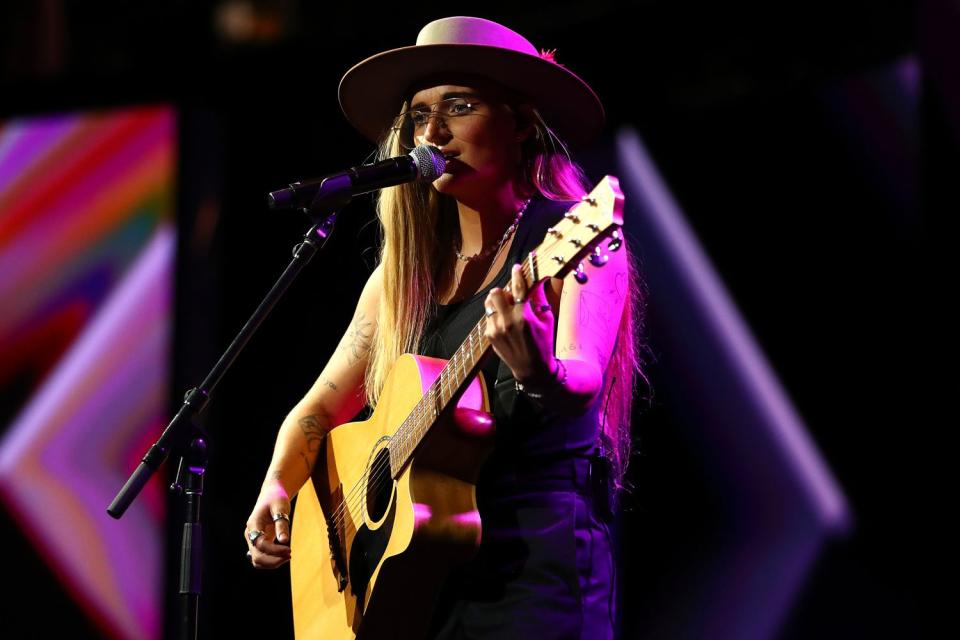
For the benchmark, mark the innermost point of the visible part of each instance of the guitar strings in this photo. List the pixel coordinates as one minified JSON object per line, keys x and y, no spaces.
{"x":355,"y":499}
{"x":357,"y":495}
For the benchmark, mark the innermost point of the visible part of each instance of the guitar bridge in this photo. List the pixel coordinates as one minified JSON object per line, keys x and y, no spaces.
{"x":337,"y":560}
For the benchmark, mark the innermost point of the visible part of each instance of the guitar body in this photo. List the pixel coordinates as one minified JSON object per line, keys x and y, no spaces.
{"x":369,"y":552}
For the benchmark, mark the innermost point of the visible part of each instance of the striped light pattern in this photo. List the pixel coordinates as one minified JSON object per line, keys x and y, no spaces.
{"x":86,"y":268}
{"x":782,"y":502}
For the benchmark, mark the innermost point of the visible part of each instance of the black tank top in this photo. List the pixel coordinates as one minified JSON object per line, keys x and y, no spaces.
{"x":527,"y":436}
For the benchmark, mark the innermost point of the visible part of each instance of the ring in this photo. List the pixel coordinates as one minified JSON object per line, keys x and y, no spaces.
{"x":253,"y":536}
{"x":544,"y":307}
{"x":281,"y":516}
{"x":489,"y":311}
{"x":249,"y":554}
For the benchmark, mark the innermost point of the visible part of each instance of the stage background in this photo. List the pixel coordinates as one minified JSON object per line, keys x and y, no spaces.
{"x":811,"y":150}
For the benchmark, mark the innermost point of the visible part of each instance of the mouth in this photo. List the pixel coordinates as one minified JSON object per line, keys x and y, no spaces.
{"x":451,"y":161}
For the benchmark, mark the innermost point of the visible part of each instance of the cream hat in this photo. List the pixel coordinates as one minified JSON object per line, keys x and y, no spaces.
{"x":372,"y":92}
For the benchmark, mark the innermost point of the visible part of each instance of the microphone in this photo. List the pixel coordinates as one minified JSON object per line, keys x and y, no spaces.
{"x":425,"y":163}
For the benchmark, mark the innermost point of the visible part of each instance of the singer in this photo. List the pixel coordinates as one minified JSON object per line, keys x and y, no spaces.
{"x":562,"y":378}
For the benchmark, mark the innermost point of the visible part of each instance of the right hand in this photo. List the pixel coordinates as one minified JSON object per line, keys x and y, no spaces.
{"x":272,"y":549}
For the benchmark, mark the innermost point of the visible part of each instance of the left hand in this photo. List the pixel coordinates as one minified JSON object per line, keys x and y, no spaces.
{"x":521,"y":328}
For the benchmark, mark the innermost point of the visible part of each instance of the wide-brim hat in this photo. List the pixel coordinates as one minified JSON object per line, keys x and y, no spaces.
{"x":372,"y":92}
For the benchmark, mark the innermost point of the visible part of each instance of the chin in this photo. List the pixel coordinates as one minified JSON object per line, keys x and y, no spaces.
{"x":448,"y":184}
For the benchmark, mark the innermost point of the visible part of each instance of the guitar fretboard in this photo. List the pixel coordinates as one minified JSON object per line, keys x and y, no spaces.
{"x":569,"y":241}
{"x":453,"y":378}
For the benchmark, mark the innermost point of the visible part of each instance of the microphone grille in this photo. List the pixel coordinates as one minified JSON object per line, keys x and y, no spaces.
{"x":430,"y":162}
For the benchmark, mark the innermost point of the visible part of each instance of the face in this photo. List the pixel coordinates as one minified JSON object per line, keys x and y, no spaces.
{"x":482,"y":145}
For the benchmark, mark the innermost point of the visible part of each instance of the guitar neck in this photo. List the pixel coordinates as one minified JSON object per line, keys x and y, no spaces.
{"x":441,"y":396}
{"x":567,"y":243}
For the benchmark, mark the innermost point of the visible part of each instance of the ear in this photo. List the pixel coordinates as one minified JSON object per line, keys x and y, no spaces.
{"x":525,"y":120}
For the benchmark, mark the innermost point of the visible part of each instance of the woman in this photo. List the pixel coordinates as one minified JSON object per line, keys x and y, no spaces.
{"x":565,"y":352}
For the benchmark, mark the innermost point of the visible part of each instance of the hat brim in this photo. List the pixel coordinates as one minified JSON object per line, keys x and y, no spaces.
{"x":372,"y":91}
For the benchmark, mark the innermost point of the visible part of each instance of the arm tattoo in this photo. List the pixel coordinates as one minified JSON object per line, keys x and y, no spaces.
{"x":573,"y":346}
{"x":620,"y":284}
{"x":594,"y":307}
{"x":359,"y":336}
{"x":314,"y":431}
{"x":275,"y":474}
{"x":330,"y":384}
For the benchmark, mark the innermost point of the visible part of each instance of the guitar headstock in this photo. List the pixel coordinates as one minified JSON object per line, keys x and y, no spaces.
{"x":581,"y":231}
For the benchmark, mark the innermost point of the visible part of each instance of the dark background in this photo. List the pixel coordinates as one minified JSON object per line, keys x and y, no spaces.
{"x":745,"y":106}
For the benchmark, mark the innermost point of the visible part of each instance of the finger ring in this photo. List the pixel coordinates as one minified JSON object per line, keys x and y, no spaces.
{"x":489,"y":311}
{"x":253,"y":536}
{"x":249,"y":554}
{"x":544,"y":307}
{"x":281,"y":516}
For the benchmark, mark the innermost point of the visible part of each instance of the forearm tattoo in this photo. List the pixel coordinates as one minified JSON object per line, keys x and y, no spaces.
{"x":314,"y":431}
{"x":328,"y":383}
{"x":358,"y":341}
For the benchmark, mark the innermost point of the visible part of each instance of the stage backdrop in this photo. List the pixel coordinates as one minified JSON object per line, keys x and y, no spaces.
{"x":86,"y":270}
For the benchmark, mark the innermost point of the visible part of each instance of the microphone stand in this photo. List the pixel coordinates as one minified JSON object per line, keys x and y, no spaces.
{"x":185,"y":438}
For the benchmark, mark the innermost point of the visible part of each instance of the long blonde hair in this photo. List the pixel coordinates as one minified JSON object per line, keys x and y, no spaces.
{"x":419,"y":225}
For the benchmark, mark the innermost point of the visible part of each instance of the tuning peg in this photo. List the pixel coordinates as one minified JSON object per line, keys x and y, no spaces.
{"x":597,"y":259}
{"x":580,"y":274}
{"x":591,"y":201}
{"x":569,"y":215}
{"x":615,"y":242}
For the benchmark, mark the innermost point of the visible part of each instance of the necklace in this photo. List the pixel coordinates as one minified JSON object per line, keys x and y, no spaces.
{"x":506,"y":234}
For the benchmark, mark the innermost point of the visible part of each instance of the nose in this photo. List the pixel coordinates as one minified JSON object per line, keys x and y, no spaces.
{"x":436,"y":130}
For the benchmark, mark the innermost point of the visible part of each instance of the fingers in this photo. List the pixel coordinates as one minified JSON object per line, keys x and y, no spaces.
{"x":539,"y":305}
{"x":271,"y":548}
{"x":281,"y":522}
{"x":265,"y":553}
{"x":519,"y":284}
{"x":501,"y":302}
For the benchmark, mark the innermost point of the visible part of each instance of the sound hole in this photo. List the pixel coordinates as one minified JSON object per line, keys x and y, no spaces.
{"x":379,"y":486}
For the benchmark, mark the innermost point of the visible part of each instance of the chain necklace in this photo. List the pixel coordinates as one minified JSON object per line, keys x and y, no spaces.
{"x":499,"y":246}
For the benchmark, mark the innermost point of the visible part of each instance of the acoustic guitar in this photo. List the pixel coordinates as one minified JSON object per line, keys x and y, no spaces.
{"x":391,"y":504}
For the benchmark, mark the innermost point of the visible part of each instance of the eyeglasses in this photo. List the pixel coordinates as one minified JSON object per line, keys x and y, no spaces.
{"x":411,"y":124}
